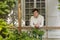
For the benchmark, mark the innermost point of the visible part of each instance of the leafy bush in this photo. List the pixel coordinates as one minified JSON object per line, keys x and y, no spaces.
{"x":38,"y":32}
{"x":29,"y":35}
{"x":3,"y":29}
{"x":59,"y":1}
{"x":59,"y":4}
{"x":5,"y":7}
{"x":13,"y":35}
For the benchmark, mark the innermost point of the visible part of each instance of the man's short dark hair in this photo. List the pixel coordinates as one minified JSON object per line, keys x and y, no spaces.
{"x":35,"y":10}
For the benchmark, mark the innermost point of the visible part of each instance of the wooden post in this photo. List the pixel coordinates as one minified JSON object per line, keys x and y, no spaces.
{"x":19,"y":15}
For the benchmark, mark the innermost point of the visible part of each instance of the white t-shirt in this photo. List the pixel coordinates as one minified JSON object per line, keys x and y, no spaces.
{"x":39,"y":20}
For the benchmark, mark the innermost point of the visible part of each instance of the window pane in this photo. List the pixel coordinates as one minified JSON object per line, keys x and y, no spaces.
{"x":39,"y":11}
{"x":27,"y":17}
{"x":42,"y":6}
{"x":38,"y":5}
{"x":31,"y":5}
{"x":26,"y":0}
{"x":27,"y":11}
{"x":31,"y":0}
{"x":37,"y":0}
{"x":27,"y":5}
{"x":42,"y":11}
{"x":31,"y":12}
{"x":42,"y":0}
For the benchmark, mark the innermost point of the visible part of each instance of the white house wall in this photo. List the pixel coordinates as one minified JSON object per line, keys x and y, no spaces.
{"x":53,"y":18}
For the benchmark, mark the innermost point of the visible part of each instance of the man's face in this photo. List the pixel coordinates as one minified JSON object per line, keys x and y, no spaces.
{"x":35,"y":14}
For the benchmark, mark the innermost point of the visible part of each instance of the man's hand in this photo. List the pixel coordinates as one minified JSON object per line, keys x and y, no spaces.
{"x":37,"y":26}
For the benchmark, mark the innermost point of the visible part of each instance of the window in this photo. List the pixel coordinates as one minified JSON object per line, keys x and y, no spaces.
{"x":29,"y":5}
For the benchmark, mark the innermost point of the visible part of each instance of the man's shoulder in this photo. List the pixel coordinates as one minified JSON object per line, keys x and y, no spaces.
{"x":40,"y":16}
{"x":32,"y":16}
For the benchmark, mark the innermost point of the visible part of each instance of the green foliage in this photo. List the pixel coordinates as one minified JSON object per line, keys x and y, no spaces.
{"x":4,"y":31}
{"x":59,"y":6}
{"x":29,"y":35}
{"x":38,"y":32}
{"x":59,"y":1}
{"x":6,"y":6}
{"x":2,"y":24}
{"x":1,"y":37}
{"x":3,"y":28}
{"x":13,"y":35}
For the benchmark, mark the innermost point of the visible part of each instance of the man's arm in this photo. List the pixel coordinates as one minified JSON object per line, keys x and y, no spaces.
{"x":42,"y":22}
{"x":31,"y":22}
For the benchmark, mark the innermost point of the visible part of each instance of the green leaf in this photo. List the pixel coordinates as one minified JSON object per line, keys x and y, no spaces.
{"x":0,"y":28}
{"x":1,"y":37}
{"x":2,"y":12}
{"x":7,"y":10}
{"x":59,"y":1}
{"x":59,"y":8}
